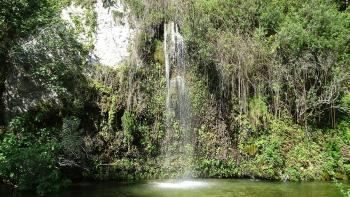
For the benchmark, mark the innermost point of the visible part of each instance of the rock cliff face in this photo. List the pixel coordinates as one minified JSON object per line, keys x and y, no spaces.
{"x":113,"y":34}
{"x":24,"y":92}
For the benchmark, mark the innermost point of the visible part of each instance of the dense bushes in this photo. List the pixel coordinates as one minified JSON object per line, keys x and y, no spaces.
{"x":28,"y":157}
{"x":275,"y":49}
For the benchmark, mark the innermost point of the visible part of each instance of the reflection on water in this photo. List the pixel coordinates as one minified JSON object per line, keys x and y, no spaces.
{"x":196,"y":188}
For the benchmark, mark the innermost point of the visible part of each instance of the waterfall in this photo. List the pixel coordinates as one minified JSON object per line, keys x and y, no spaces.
{"x":177,"y":145}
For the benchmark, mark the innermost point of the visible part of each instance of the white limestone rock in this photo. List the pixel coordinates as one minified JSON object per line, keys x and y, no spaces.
{"x":114,"y":32}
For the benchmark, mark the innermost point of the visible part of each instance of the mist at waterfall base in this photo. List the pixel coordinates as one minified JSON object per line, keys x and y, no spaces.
{"x":177,"y":147}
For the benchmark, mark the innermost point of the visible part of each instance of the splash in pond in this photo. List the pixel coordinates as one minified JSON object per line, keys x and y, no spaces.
{"x":182,"y":184}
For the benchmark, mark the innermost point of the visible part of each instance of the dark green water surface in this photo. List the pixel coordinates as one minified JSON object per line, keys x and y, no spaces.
{"x":196,"y":188}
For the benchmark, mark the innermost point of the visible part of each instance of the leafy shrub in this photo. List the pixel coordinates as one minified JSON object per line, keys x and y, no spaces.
{"x":129,"y":126}
{"x":28,"y":160}
{"x":270,"y":158}
{"x":216,"y":168}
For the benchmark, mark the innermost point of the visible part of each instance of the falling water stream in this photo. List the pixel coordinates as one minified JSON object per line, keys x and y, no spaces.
{"x":177,"y":146}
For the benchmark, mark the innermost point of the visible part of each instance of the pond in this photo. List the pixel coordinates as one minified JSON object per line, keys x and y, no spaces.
{"x":197,"y":188}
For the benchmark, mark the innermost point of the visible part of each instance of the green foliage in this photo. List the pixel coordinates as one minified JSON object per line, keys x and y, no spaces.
{"x":345,"y":103}
{"x":71,"y":143}
{"x":117,"y":16}
{"x":129,"y":126}
{"x":159,"y":53}
{"x":216,"y":168}
{"x":28,"y":160}
{"x":136,"y":6}
{"x":251,"y":149}
{"x":55,"y":59}
{"x":270,"y":159}
{"x":258,"y":112}
{"x":21,"y":18}
{"x":112,"y":112}
{"x":91,"y":21}
{"x":83,"y":3}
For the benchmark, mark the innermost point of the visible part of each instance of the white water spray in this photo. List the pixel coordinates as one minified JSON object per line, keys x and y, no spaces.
{"x":177,"y":145}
